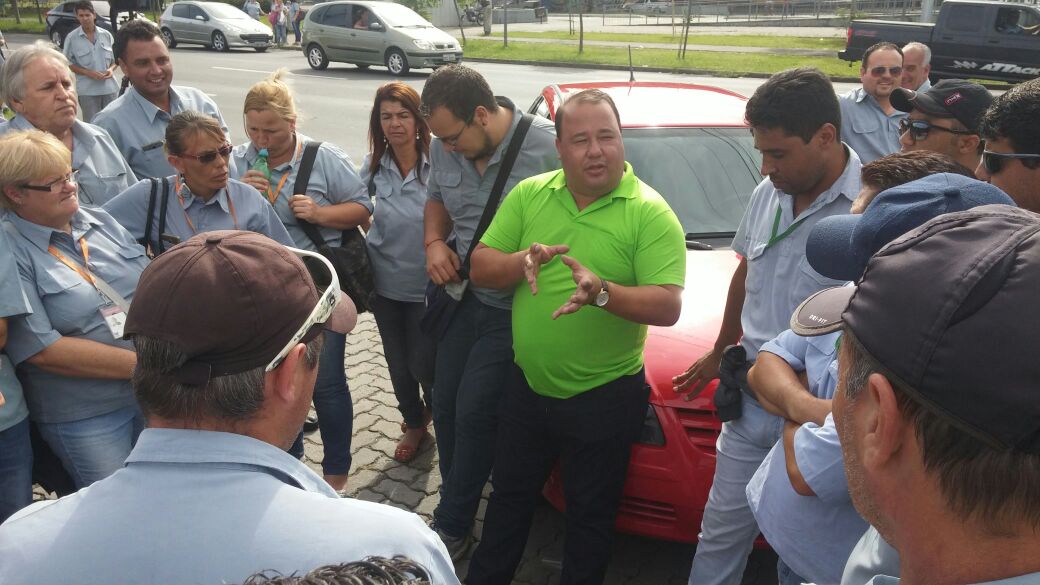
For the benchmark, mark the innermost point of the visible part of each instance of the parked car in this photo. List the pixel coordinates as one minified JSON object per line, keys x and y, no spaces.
{"x":690,"y":143}
{"x":375,"y":33}
{"x":61,"y":20}
{"x":213,"y":24}
{"x":984,"y":40}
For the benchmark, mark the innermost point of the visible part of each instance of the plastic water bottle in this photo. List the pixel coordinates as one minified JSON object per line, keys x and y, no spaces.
{"x":261,"y":164}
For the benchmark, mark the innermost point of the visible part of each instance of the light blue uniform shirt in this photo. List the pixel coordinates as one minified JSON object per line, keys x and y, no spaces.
{"x":871,"y":556}
{"x":103,"y":172}
{"x":455,"y":182}
{"x":812,"y":535}
{"x":866,"y":127}
{"x":12,"y":303}
{"x":138,"y":127}
{"x":64,"y":304}
{"x":252,"y":8}
{"x":333,"y":180}
{"x":96,"y":56}
{"x":779,"y":277}
{"x":209,"y":508}
{"x":251,"y":212}
{"x":1027,"y":579}
{"x":395,"y":242}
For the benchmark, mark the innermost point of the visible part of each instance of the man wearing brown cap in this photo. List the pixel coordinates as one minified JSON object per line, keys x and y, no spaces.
{"x":208,"y":494}
{"x":944,"y":119}
{"x":936,"y":405}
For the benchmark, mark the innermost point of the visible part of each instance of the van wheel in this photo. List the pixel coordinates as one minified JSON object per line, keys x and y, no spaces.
{"x":317,"y":58}
{"x":220,"y":41}
{"x":167,"y":37}
{"x":396,"y":62}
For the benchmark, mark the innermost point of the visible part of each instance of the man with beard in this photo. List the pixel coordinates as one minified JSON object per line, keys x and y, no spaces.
{"x":472,"y":130}
{"x":137,"y":119}
{"x":936,"y":405}
{"x":944,"y":119}
{"x":1011,"y":160}
{"x":869,"y":121}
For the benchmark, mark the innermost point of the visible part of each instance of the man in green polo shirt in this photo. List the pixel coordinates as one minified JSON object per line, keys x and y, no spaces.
{"x":589,"y":234}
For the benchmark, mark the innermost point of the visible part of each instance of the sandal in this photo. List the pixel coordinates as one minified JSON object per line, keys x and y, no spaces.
{"x":405,"y":452}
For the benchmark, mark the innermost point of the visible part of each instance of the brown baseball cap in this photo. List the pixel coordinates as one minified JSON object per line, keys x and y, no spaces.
{"x":950,"y":311}
{"x":231,"y":301}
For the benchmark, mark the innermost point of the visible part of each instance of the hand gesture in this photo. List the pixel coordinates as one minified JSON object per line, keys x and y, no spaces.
{"x":256,"y":180}
{"x":106,"y":74}
{"x":305,"y":208}
{"x":537,"y":255}
{"x":696,"y":377}
{"x":442,"y":263}
{"x":588,"y":283}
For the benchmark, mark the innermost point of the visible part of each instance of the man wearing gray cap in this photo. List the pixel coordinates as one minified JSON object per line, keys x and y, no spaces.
{"x":225,"y":385}
{"x":944,"y":119}
{"x":936,"y":405}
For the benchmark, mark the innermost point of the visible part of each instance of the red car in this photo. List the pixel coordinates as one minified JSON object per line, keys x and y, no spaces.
{"x":690,"y":143}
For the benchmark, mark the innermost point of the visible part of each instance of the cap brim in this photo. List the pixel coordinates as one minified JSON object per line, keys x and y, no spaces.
{"x":829,"y":247}
{"x":821,"y":313}
{"x":903,"y":99}
{"x":344,"y":316}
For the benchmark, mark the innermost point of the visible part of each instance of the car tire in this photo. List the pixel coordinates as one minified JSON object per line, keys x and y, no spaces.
{"x":220,"y":42}
{"x":260,"y":49}
{"x":316,"y":57}
{"x":167,"y":37}
{"x":396,"y":62}
{"x":57,"y":38}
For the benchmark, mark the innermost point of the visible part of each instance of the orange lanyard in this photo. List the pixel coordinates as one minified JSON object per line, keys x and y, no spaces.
{"x":79,"y":269}
{"x":231,"y":206}
{"x":272,"y":197}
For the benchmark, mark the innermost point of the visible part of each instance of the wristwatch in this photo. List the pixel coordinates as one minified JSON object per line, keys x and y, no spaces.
{"x":603,"y":297}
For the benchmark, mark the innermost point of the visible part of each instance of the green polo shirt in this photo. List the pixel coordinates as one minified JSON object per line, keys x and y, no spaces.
{"x":629,"y":237}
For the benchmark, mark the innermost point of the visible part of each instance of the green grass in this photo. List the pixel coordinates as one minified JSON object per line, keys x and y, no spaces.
{"x":29,"y":23}
{"x":725,"y":64}
{"x":725,"y":40}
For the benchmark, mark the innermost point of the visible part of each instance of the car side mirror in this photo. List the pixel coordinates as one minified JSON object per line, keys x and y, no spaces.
{"x":376,"y":26}
{"x":201,"y":18}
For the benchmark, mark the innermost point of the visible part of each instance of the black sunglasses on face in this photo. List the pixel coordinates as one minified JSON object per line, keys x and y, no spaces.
{"x":993,"y":162}
{"x":208,"y":157}
{"x":919,"y":129}
{"x":880,"y":70}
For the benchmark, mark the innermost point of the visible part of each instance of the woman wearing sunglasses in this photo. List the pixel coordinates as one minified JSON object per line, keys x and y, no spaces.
{"x":334,"y":199}
{"x":78,"y":269}
{"x":396,"y":171}
{"x":200,"y":197}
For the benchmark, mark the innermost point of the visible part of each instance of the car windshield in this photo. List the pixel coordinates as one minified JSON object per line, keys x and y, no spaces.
{"x":101,"y":8}
{"x":225,"y":12}
{"x":706,"y":174}
{"x":399,"y":16}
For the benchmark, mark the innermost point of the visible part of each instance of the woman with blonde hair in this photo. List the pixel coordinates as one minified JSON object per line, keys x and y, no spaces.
{"x":334,"y":199}
{"x":78,"y":269}
{"x":396,"y":171}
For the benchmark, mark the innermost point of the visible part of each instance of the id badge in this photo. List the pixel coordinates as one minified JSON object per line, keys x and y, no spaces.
{"x":115,"y":318}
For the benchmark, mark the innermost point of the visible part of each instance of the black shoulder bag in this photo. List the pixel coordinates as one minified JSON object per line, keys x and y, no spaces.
{"x":441,"y":306}
{"x":146,"y":241}
{"x":350,"y":258}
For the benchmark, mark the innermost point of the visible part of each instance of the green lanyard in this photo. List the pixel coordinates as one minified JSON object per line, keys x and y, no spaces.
{"x":774,"y":238}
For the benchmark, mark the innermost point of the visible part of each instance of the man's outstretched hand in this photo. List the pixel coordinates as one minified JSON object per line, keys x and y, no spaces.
{"x":537,"y":255}
{"x":588,"y":287}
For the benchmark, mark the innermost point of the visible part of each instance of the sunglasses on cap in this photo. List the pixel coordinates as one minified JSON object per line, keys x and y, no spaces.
{"x":919,"y":129}
{"x":208,"y":157}
{"x":881,"y":69}
{"x":993,"y":162}
{"x":327,"y":283}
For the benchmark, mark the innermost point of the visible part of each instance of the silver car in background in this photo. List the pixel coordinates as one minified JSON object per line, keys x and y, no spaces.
{"x":368,"y":33}
{"x":213,"y":24}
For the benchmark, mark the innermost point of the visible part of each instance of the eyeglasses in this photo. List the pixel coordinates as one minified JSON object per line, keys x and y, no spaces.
{"x":208,"y":157}
{"x":880,"y":70}
{"x":57,"y":184}
{"x":993,"y":162}
{"x":327,"y":283}
{"x":919,"y":129}
{"x":454,"y":138}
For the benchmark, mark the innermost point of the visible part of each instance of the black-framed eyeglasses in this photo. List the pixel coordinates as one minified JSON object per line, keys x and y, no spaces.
{"x":919,"y":129}
{"x":454,"y":138}
{"x":993,"y":162}
{"x":208,"y":157}
{"x":55,"y":185}
{"x":881,"y":69}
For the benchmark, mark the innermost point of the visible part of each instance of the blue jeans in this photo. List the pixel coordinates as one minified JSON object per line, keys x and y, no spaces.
{"x":296,"y":30}
{"x":279,"y":34}
{"x":16,"y":460}
{"x":334,"y":406}
{"x":474,"y":359}
{"x":729,"y":529}
{"x":785,"y":576}
{"x":94,"y":448}
{"x":409,"y":353}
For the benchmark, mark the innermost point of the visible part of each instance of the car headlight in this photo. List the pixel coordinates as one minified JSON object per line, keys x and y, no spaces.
{"x":651,"y":433}
{"x":424,"y":45}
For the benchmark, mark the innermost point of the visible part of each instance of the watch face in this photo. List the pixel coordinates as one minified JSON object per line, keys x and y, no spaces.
{"x":602,"y":298}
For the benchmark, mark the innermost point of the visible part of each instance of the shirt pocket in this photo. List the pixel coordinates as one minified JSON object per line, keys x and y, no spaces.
{"x":756,"y":276}
{"x":808,"y":282}
{"x":70,"y":301}
{"x":865,"y":125}
{"x":83,"y":56}
{"x":450,"y":183}
{"x":97,"y":189}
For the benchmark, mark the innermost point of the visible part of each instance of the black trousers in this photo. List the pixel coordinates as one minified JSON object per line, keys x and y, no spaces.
{"x":591,"y":434}
{"x":410,"y":355}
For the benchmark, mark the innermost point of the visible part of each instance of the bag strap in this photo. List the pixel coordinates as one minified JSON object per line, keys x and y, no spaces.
{"x":151,"y":213}
{"x":500,"y":183}
{"x":303,"y":176}
{"x":162,"y":213}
